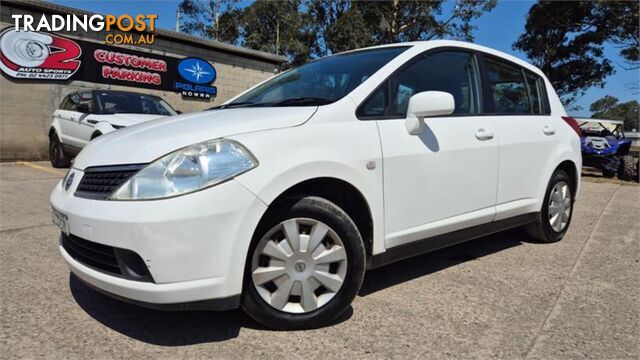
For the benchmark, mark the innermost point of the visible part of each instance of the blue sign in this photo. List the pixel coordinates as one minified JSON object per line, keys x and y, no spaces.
{"x":198,"y":74}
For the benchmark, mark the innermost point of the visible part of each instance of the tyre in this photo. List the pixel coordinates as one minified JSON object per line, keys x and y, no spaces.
{"x":305,"y":265}
{"x":608,"y":174}
{"x":627,"y":169}
{"x":56,"y":153}
{"x":610,"y":166}
{"x":556,"y":211}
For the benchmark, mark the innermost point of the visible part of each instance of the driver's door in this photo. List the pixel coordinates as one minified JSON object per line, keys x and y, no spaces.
{"x":446,"y":178}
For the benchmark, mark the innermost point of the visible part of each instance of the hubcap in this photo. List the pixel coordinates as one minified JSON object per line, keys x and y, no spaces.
{"x":559,"y":206}
{"x":299,"y":265}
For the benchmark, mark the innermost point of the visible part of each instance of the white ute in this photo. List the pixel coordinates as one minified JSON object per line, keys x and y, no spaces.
{"x":85,"y":115}
{"x":279,"y":200}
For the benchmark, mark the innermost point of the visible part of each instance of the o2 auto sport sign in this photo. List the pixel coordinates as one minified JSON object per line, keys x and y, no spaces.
{"x":32,"y":55}
{"x":41,"y":56}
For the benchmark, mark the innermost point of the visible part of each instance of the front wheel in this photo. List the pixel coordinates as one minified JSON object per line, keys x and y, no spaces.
{"x":628,"y":170}
{"x":305,"y":266}
{"x":56,"y":153}
{"x":557,"y":209}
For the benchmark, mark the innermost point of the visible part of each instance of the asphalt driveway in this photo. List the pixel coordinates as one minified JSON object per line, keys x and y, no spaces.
{"x":500,"y":296}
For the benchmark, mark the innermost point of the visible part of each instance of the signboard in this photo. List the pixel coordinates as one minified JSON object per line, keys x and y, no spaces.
{"x":41,"y":56}
{"x":198,"y":75}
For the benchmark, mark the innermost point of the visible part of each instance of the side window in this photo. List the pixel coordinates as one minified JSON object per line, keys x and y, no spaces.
{"x":376,"y":104}
{"x":85,"y":103}
{"x":508,"y":87}
{"x":535,"y":85}
{"x":70,"y":102}
{"x":454,"y":72}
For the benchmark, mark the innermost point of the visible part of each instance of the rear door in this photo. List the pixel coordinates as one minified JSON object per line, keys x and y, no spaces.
{"x":444,"y":179}
{"x":527,"y":134}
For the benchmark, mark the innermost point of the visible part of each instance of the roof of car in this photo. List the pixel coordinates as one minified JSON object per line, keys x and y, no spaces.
{"x":430,"y":44}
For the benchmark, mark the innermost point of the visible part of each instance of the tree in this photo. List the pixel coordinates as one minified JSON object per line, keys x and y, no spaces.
{"x":609,"y":108}
{"x":315,"y":28}
{"x":277,"y":27}
{"x":348,"y":32}
{"x":209,"y":19}
{"x":400,"y":21}
{"x":324,"y":15}
{"x":565,"y":40}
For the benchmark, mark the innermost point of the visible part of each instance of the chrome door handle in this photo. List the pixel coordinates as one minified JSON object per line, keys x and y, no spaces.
{"x":547,"y":130}
{"x":483,"y":134}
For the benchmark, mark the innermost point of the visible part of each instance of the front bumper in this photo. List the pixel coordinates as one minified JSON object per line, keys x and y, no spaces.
{"x":194,"y":246}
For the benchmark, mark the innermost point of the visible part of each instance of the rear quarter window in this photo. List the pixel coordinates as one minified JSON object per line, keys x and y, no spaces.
{"x":537,"y":93}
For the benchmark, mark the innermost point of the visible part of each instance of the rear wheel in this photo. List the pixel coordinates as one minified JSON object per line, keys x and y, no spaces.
{"x":56,"y":153}
{"x":557,"y":209}
{"x":628,"y":170}
{"x":305,"y":266}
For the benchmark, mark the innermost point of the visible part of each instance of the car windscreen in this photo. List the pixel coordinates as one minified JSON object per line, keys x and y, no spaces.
{"x":319,"y":82}
{"x":129,"y":103}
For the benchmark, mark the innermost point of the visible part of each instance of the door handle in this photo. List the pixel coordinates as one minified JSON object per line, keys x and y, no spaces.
{"x":484,"y":135}
{"x":91,"y":121}
{"x":547,"y":130}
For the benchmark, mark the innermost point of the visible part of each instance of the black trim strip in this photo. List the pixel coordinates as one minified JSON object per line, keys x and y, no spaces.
{"x":112,"y":168}
{"x":222,"y":304}
{"x":441,"y":241}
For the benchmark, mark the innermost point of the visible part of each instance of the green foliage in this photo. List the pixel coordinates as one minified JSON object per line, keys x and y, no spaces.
{"x":399,"y":21}
{"x":277,"y":27}
{"x":315,"y":28}
{"x":198,"y":17}
{"x":348,"y":32}
{"x":565,"y":40}
{"x":609,"y":108}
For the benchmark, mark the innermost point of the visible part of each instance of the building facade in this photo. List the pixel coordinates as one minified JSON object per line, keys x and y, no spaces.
{"x":27,"y":104}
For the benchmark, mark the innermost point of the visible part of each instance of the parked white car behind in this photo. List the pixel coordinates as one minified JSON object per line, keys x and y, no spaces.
{"x":279,"y":200}
{"x":85,"y":115}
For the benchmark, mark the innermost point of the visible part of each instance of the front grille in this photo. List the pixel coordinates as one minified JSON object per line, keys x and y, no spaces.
{"x":98,"y":256}
{"x":100,"y":181}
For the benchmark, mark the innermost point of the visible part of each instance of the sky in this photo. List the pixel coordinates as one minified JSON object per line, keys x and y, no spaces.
{"x":498,"y":29}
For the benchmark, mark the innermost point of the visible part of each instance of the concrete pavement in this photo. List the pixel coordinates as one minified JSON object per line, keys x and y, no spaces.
{"x":496,"y":297}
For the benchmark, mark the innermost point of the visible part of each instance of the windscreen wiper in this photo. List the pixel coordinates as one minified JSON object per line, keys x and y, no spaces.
{"x":300,"y":101}
{"x":232,"y":105}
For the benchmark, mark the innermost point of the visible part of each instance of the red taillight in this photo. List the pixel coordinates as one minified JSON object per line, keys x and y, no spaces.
{"x":574,"y":124}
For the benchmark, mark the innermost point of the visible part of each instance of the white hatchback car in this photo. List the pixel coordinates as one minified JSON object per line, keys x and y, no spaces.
{"x":85,"y":115}
{"x":280,"y":199}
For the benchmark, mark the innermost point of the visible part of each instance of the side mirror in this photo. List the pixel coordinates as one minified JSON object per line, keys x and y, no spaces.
{"x":178,"y":112}
{"x":83,"y":108}
{"x":427,"y":104}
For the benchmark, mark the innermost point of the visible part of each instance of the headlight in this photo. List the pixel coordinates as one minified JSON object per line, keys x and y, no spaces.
{"x":187,"y":170}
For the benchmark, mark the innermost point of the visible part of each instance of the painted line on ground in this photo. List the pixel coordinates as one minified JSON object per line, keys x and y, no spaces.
{"x":38,"y":167}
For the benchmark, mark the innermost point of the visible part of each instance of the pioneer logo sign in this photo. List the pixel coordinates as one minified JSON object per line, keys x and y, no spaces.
{"x":198,"y":75}
{"x":33,"y":55}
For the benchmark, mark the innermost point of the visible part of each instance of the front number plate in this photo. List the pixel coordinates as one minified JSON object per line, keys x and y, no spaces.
{"x":60,"y":220}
